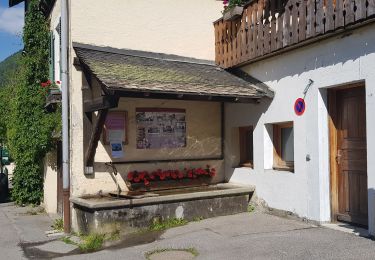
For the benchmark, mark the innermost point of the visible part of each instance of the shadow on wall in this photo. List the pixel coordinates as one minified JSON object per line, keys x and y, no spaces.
{"x":341,"y":49}
{"x":250,"y":116}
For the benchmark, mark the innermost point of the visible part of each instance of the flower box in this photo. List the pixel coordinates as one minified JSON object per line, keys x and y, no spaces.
{"x":232,"y":13}
{"x":169,"y":179}
{"x":169,"y":184}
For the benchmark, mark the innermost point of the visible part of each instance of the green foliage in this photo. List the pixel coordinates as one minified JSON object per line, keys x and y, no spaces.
{"x":158,"y":225}
{"x":233,"y":3}
{"x":8,"y":68}
{"x":92,"y":242}
{"x":58,"y":224}
{"x":250,"y":208}
{"x":9,"y":73}
{"x":29,"y":127}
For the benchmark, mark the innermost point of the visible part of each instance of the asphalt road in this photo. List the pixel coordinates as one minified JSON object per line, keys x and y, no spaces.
{"x":242,"y":236}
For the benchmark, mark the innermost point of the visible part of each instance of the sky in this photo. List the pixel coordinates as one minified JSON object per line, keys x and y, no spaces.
{"x":11,"y":24}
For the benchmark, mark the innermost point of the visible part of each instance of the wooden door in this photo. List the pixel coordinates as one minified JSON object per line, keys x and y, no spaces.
{"x":350,"y":159}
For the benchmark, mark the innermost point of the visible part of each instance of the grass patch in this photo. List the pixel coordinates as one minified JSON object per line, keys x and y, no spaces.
{"x":114,"y":236}
{"x":191,"y":250}
{"x":250,"y":208}
{"x":58,"y":224}
{"x":68,"y":241}
{"x":196,"y":219}
{"x":92,"y":242}
{"x":159,"y":225}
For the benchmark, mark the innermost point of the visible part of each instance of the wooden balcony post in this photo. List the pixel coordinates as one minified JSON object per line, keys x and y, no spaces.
{"x":339,"y":14}
{"x":328,"y":14}
{"x":371,"y":8}
{"x":319,"y":12}
{"x":310,"y":19}
{"x":360,"y":12}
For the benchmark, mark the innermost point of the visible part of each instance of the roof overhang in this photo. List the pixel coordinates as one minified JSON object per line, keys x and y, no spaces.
{"x":129,"y":73}
{"x":45,"y":5}
{"x":15,"y":2}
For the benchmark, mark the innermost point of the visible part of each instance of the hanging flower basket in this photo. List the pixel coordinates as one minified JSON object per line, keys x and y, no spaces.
{"x":232,"y":13}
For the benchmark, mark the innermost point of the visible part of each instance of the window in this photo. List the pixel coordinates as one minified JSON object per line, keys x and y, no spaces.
{"x":283,"y":140}
{"x":246,"y":146}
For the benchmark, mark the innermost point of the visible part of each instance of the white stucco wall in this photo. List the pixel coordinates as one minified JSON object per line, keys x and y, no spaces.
{"x":50,"y":183}
{"x":167,"y":26}
{"x":329,"y":63}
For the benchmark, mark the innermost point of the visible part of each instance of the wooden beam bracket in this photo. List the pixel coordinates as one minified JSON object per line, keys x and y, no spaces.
{"x":101,"y":103}
{"x":94,"y":140}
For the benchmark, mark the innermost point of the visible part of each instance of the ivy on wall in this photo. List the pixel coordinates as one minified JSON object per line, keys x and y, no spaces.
{"x":30,"y":127}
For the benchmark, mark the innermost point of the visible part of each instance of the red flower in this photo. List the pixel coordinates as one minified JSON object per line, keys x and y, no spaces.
{"x":130,"y":176}
{"x":58,"y":82}
{"x":146,"y":182}
{"x":137,"y":179}
{"x":180,"y":175}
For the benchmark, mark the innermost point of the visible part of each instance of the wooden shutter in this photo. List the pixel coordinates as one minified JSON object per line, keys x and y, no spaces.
{"x":52,"y":57}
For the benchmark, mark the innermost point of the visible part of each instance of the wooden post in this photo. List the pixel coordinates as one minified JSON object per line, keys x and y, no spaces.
{"x":319,"y":29}
{"x":260,"y":28}
{"x":329,"y":11}
{"x":286,"y":29}
{"x":280,"y":30}
{"x":273,"y":35}
{"x":294,"y":28}
{"x":349,"y":12}
{"x":255,"y":30}
{"x":339,"y":13}
{"x":360,"y":12}
{"x":310,"y":19}
{"x":371,"y":8}
{"x":302,"y":21}
{"x":95,"y":136}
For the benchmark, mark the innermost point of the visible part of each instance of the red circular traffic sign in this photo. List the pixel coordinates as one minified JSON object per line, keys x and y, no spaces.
{"x":299,"y":106}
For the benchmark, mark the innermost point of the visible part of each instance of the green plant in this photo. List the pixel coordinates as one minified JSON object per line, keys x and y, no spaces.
{"x":250,"y":208}
{"x":29,"y":128}
{"x":196,"y":219}
{"x":92,"y":242}
{"x":158,"y":225}
{"x":228,"y":4}
{"x":191,"y":250}
{"x":68,"y":241}
{"x":58,"y":224}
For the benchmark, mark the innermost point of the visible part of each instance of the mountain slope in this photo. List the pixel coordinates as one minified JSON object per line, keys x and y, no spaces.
{"x":8,"y":67}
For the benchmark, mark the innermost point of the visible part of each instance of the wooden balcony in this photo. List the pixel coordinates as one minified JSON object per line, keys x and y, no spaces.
{"x":269,"y":27}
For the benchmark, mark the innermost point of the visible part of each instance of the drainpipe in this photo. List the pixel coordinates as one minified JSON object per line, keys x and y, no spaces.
{"x":65,"y":113}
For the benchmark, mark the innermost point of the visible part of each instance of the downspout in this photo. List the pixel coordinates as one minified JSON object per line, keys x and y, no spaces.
{"x":65,"y":113}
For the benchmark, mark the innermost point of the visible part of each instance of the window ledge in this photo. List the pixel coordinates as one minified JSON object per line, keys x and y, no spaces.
{"x":283,"y":168}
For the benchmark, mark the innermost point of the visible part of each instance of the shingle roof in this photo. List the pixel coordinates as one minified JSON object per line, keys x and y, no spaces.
{"x":160,"y":73}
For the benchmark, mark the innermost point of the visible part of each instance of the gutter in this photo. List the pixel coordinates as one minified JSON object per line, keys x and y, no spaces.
{"x":65,"y":113}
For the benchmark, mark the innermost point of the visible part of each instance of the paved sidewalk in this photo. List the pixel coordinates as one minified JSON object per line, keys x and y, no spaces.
{"x":242,"y":236}
{"x":252,"y":236}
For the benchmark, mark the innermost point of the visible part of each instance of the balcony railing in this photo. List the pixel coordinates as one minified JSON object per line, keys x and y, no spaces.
{"x":269,"y":26}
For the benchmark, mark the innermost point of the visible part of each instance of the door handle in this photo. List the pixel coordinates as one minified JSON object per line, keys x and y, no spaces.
{"x":338,"y":156}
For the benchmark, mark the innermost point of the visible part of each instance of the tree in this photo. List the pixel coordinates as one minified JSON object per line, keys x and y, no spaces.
{"x":30,"y":127}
